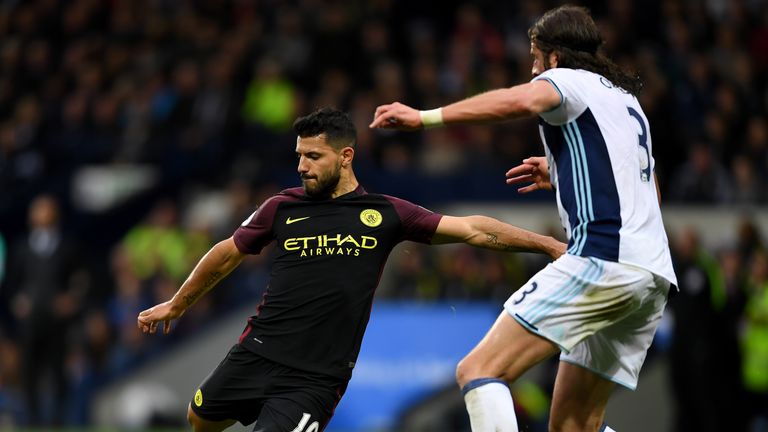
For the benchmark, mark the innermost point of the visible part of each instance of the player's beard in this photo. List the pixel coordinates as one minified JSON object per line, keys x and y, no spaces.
{"x":323,"y":185}
{"x":547,"y":65}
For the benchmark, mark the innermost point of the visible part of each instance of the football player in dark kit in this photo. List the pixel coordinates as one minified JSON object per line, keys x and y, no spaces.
{"x":292,"y":363}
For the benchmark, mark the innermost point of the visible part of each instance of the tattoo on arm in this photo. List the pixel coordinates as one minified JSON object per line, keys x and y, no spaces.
{"x":212,"y":279}
{"x":493,"y":240}
{"x":209,"y":282}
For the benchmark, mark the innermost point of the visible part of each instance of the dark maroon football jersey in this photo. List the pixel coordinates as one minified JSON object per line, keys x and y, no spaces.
{"x":329,"y":258}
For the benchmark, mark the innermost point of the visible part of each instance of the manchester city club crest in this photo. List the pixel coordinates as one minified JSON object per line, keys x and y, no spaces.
{"x":370,"y":217}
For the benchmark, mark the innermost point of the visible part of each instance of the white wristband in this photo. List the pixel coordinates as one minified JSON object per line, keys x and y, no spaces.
{"x":432,"y":118}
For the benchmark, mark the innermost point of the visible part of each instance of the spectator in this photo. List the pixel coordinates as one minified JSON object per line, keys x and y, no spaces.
{"x":755,"y":342}
{"x":702,"y":179}
{"x":709,"y":345}
{"x":157,"y":246}
{"x":748,"y":185}
{"x":49,"y":292}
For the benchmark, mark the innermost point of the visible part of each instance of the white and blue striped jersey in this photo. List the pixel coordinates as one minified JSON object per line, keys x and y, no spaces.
{"x":598,"y":146}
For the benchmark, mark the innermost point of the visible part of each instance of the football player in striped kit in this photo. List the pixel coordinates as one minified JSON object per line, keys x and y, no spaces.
{"x":598,"y":305}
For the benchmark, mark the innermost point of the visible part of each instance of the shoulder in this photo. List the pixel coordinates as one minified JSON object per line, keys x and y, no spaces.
{"x":268,"y":208}
{"x":578,"y":89}
{"x":286,"y":195}
{"x":395,"y":201}
{"x":557,"y":72}
{"x":566,"y":76}
{"x":295,"y":193}
{"x":560,"y":73}
{"x":407,"y":209}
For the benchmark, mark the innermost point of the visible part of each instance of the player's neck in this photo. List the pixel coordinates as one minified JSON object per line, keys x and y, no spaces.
{"x":347,"y":183}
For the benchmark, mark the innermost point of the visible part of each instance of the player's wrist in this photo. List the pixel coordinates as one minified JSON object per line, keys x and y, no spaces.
{"x":177,"y":306}
{"x":432,"y":118}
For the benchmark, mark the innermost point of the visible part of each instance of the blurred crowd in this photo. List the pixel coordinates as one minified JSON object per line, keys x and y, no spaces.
{"x":203,"y":93}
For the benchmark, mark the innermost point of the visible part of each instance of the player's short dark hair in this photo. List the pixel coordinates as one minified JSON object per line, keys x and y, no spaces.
{"x":571,"y":32}
{"x":337,"y":126}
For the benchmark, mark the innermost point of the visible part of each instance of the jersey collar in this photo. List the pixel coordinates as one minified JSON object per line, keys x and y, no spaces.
{"x":355,"y":193}
{"x":299,"y":193}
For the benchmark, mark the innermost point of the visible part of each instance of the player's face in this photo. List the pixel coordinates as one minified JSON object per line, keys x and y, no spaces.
{"x":540,"y":63}
{"x":319,"y":165}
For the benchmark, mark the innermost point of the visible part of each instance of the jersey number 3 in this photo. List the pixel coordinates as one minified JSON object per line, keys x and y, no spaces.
{"x":644,"y":153}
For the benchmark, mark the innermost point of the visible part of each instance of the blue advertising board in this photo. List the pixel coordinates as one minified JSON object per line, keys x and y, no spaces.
{"x":410,"y":350}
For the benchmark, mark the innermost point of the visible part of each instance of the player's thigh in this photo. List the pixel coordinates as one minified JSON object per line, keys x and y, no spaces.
{"x":200,"y":424}
{"x":300,"y":401}
{"x":579,"y":399}
{"x":235,"y":390}
{"x":506,"y":351}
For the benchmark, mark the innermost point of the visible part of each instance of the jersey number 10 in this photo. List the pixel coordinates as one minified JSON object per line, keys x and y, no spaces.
{"x":314,"y":427}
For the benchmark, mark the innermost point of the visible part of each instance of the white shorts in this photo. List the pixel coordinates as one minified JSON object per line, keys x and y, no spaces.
{"x":601,"y":314}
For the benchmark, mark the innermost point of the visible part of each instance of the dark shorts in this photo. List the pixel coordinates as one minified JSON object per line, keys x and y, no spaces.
{"x":248,"y":387}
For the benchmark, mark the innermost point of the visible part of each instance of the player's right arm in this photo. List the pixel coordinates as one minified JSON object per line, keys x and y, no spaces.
{"x":214,"y":266}
{"x":523,"y":100}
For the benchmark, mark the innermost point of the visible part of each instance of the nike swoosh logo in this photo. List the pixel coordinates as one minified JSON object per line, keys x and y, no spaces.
{"x":290,"y":221}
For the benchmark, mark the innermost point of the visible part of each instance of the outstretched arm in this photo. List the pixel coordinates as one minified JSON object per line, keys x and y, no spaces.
{"x":490,"y":233}
{"x":214,"y":266}
{"x":496,"y":105}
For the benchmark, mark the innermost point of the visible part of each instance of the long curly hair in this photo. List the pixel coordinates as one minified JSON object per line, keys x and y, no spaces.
{"x":571,"y":33}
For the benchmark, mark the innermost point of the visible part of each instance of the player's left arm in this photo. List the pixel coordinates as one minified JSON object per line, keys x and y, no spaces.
{"x":502,"y":104}
{"x":212,"y":268}
{"x":487,"y":232}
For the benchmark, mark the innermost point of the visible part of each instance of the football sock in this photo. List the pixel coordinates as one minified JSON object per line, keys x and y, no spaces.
{"x":489,"y":404}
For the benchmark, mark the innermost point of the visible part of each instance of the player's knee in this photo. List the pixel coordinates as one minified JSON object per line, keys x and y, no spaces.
{"x":191,"y":416}
{"x":465,"y":372}
{"x":196,"y":422}
{"x":560,"y":423}
{"x":200,"y":424}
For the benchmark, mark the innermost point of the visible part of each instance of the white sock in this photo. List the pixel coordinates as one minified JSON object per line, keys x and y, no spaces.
{"x":489,"y":404}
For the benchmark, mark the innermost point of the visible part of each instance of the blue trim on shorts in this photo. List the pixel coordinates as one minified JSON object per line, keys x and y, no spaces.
{"x":527,"y":324}
{"x":535,"y":331}
{"x":479,"y":382}
{"x":600,"y":374}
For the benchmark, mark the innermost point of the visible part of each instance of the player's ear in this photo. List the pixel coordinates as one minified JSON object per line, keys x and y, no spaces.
{"x":347,"y":154}
{"x":553,"y":57}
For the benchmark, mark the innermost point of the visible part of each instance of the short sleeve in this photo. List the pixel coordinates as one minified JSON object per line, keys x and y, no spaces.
{"x":419,"y":224}
{"x":256,"y":231}
{"x":569,"y":83}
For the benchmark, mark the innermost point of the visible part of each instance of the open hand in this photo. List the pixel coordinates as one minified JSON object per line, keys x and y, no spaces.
{"x":533,"y":170}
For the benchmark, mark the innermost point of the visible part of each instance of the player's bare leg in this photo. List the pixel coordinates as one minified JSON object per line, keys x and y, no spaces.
{"x":505,"y":352}
{"x":579,"y":399}
{"x":502,"y":356}
{"x":202,"y":425}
